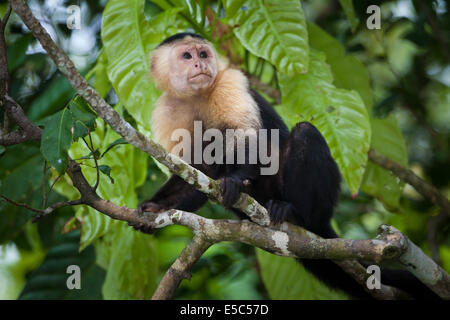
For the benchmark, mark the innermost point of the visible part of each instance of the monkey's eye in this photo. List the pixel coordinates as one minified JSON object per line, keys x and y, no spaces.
{"x":203,"y":55}
{"x":187,"y":55}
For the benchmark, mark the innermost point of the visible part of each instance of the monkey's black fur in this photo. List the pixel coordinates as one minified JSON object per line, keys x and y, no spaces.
{"x":179,"y":36}
{"x":304,"y":192}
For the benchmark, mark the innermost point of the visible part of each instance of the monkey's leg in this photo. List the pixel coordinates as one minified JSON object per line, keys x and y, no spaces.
{"x":310,"y":188}
{"x":310,"y":181}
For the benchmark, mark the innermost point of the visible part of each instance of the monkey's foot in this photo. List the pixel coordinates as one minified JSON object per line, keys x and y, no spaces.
{"x":146,"y":206}
{"x":231,"y":189}
{"x":141,"y":227}
{"x":279,"y":211}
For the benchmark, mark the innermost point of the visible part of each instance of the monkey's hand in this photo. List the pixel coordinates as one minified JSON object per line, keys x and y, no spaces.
{"x":280,"y":211}
{"x":147,"y":206}
{"x":231,"y":188}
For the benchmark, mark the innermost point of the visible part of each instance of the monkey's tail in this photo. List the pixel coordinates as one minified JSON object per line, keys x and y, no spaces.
{"x":332,"y":275}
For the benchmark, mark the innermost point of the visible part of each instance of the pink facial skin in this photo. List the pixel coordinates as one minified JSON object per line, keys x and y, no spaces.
{"x":194,"y":68}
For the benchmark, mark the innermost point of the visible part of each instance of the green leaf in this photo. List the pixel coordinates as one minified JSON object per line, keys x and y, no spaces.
{"x":127,"y":39}
{"x":81,"y":111}
{"x":16,"y":53}
{"x":286,"y":279}
{"x":94,"y":225}
{"x":348,"y":71}
{"x":107,"y":171}
{"x":83,"y":117}
{"x":48,"y":281}
{"x":388,"y":140}
{"x":193,"y":10}
{"x":54,"y":96}
{"x":125,"y":280}
{"x":339,"y":114}
{"x":20,"y":180}
{"x":57,"y":138}
{"x":349,"y":10}
{"x":101,"y":81}
{"x":272,"y":30}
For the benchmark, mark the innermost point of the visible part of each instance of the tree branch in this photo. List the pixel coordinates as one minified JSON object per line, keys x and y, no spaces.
{"x":423,"y":187}
{"x":27,"y":130}
{"x":181,"y":268}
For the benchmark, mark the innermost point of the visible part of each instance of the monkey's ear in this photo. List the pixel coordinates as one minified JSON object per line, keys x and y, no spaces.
{"x":222,"y":63}
{"x":159,"y":67}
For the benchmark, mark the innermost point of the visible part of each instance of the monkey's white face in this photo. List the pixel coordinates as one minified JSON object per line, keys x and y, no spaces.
{"x":193,"y":68}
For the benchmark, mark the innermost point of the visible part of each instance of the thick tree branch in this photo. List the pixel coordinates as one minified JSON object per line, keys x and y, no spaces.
{"x":288,"y":240}
{"x":181,"y":268}
{"x":4,"y":72}
{"x":27,"y":130}
{"x":418,"y":263}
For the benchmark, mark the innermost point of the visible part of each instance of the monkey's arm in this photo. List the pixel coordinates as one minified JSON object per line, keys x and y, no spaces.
{"x":232,"y":182}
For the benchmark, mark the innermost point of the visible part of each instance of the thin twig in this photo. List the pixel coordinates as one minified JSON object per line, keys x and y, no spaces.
{"x":91,"y":148}
{"x":55,"y":206}
{"x":46,"y":211}
{"x":95,"y":160}
{"x":54,"y":182}
{"x":23,"y":205}
{"x":44,"y":189}
{"x":424,"y":188}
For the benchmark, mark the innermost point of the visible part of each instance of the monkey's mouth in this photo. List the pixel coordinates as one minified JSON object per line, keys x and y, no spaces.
{"x":200,"y":76}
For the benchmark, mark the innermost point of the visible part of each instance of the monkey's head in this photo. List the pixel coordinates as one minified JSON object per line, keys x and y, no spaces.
{"x":185,"y":65}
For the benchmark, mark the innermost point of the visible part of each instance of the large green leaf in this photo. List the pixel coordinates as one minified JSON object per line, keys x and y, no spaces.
{"x":193,"y":11}
{"x":16,"y":53}
{"x":101,"y":81}
{"x":388,"y":140}
{"x":125,"y":280}
{"x":127,"y":39}
{"x":48,"y":281}
{"x":273,"y":30}
{"x":340,"y":63}
{"x":21,"y":180}
{"x":339,"y":114}
{"x":83,"y":117}
{"x":286,"y":279}
{"x":56,"y":139}
{"x":53,"y":97}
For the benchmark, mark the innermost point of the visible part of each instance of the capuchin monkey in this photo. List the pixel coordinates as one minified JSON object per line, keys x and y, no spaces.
{"x":198,"y":86}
